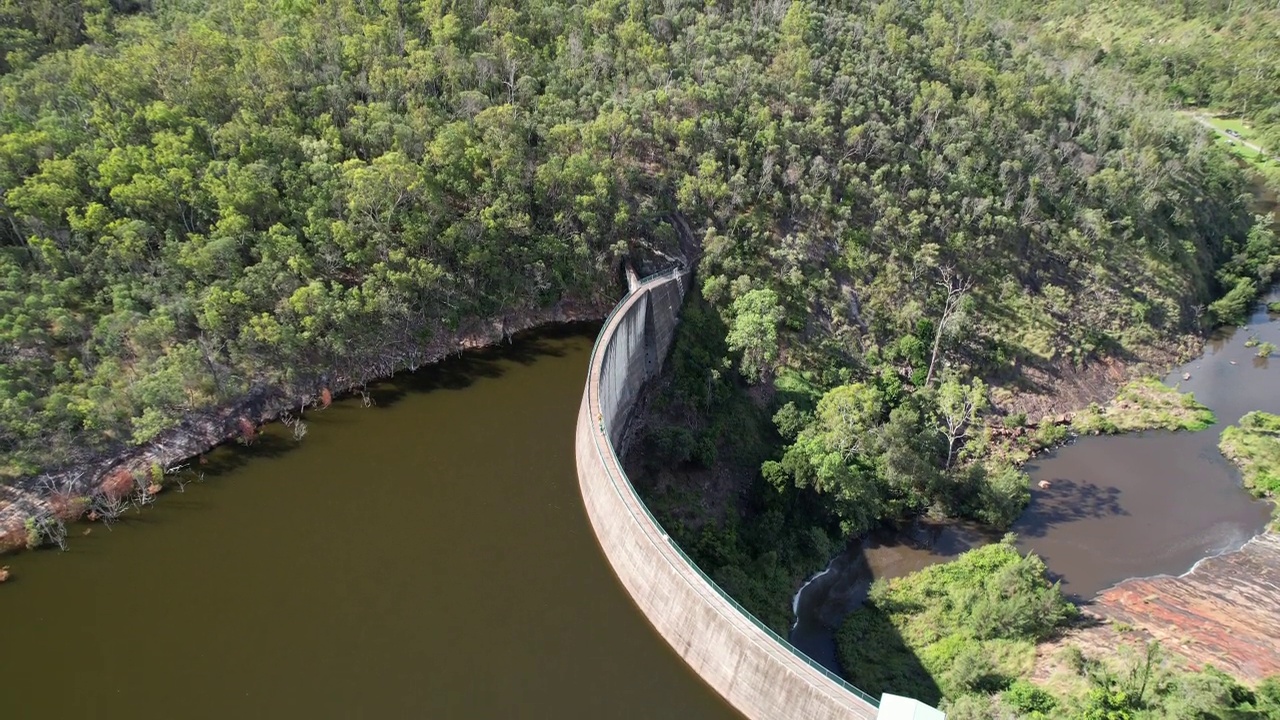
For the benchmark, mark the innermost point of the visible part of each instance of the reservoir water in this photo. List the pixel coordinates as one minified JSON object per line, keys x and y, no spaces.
{"x":424,"y":557}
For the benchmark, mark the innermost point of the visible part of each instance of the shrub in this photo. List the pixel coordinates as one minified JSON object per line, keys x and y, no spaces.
{"x":32,"y":529}
{"x":1029,"y":700}
{"x":1049,"y":434}
{"x":1233,"y":308}
{"x":674,"y":444}
{"x":954,"y":628}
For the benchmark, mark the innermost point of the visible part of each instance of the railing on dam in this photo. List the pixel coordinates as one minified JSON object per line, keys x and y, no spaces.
{"x":603,"y":443}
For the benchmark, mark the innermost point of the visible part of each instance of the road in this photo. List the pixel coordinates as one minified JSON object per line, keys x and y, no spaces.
{"x":1205,"y":122}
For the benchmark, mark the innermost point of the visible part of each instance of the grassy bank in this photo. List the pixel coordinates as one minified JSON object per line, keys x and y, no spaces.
{"x":1254,"y":446}
{"x":1145,"y":404}
{"x":1243,"y":141}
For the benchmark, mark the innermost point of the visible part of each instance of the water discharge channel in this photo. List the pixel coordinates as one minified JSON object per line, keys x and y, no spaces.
{"x":425,"y":557}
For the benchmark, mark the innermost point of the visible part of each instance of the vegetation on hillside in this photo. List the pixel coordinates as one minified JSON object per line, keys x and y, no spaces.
{"x":1216,"y":56}
{"x":1145,"y":404}
{"x":206,"y":199}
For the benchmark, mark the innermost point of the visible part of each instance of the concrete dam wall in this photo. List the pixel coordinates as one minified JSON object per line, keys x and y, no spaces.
{"x":759,"y":673}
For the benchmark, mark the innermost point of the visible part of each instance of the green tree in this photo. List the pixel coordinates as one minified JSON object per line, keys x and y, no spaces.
{"x":959,"y":406}
{"x":753,"y":332}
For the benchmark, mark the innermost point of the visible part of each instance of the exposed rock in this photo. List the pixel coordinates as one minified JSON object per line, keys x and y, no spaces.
{"x":4,"y":573}
{"x":1044,"y":484}
{"x":1225,"y":612}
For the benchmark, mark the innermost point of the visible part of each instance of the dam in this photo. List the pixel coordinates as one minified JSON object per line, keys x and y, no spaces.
{"x":755,"y":670}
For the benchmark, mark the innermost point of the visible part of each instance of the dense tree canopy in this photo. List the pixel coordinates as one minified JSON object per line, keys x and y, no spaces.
{"x":201,"y":199}
{"x":1220,"y":55}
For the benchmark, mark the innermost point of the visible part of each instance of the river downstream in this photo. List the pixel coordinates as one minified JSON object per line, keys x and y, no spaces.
{"x":1116,"y":507}
{"x":425,"y":557}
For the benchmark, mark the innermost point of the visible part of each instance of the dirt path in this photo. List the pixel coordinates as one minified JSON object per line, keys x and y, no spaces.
{"x":1205,"y":122}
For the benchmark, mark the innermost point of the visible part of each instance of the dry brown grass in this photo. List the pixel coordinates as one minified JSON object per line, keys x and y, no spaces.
{"x":13,"y":537}
{"x":118,"y":484}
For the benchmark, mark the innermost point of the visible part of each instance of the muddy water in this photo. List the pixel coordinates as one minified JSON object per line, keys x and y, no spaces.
{"x":1155,"y":503}
{"x":426,"y":557}
{"x":831,"y":595}
{"x":1116,"y":507}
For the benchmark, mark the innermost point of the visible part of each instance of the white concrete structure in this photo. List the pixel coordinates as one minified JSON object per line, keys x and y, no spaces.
{"x":896,"y":707}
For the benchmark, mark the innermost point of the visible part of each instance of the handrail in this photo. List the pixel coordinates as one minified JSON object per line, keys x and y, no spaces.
{"x":623,"y":486}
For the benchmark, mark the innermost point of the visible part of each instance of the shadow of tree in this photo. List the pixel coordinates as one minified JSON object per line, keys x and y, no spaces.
{"x":873,"y":655}
{"x":453,"y":373}
{"x":1066,"y":501}
{"x":458,"y":372}
{"x":231,"y":455}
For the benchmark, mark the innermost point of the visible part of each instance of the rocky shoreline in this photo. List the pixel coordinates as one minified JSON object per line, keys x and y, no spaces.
{"x":1220,"y":613}
{"x":46,"y":494}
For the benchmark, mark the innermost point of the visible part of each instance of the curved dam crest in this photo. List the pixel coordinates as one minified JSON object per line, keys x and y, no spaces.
{"x":755,"y":670}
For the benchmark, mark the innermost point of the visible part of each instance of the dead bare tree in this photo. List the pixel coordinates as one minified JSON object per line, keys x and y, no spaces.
{"x":47,"y":528}
{"x":107,"y":507}
{"x":143,"y":494}
{"x":956,"y":286}
{"x":295,"y":424}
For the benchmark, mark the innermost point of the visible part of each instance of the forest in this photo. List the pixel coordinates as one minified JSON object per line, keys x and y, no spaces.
{"x":205,"y":199}
{"x":903,"y":212}
{"x":1213,"y":57}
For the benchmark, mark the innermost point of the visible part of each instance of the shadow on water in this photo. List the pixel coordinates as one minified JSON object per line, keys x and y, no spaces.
{"x":270,"y":442}
{"x":840,"y":591}
{"x":1155,"y":502}
{"x":1068,"y":500}
{"x":875,"y":658}
{"x":458,"y":372}
{"x":454,"y":373}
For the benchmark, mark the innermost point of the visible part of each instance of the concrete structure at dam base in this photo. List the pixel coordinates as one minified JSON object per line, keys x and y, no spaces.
{"x":755,"y":670}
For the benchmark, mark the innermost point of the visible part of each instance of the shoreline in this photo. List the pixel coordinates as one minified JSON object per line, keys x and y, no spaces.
{"x":1221,"y":612}
{"x":57,"y":492}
